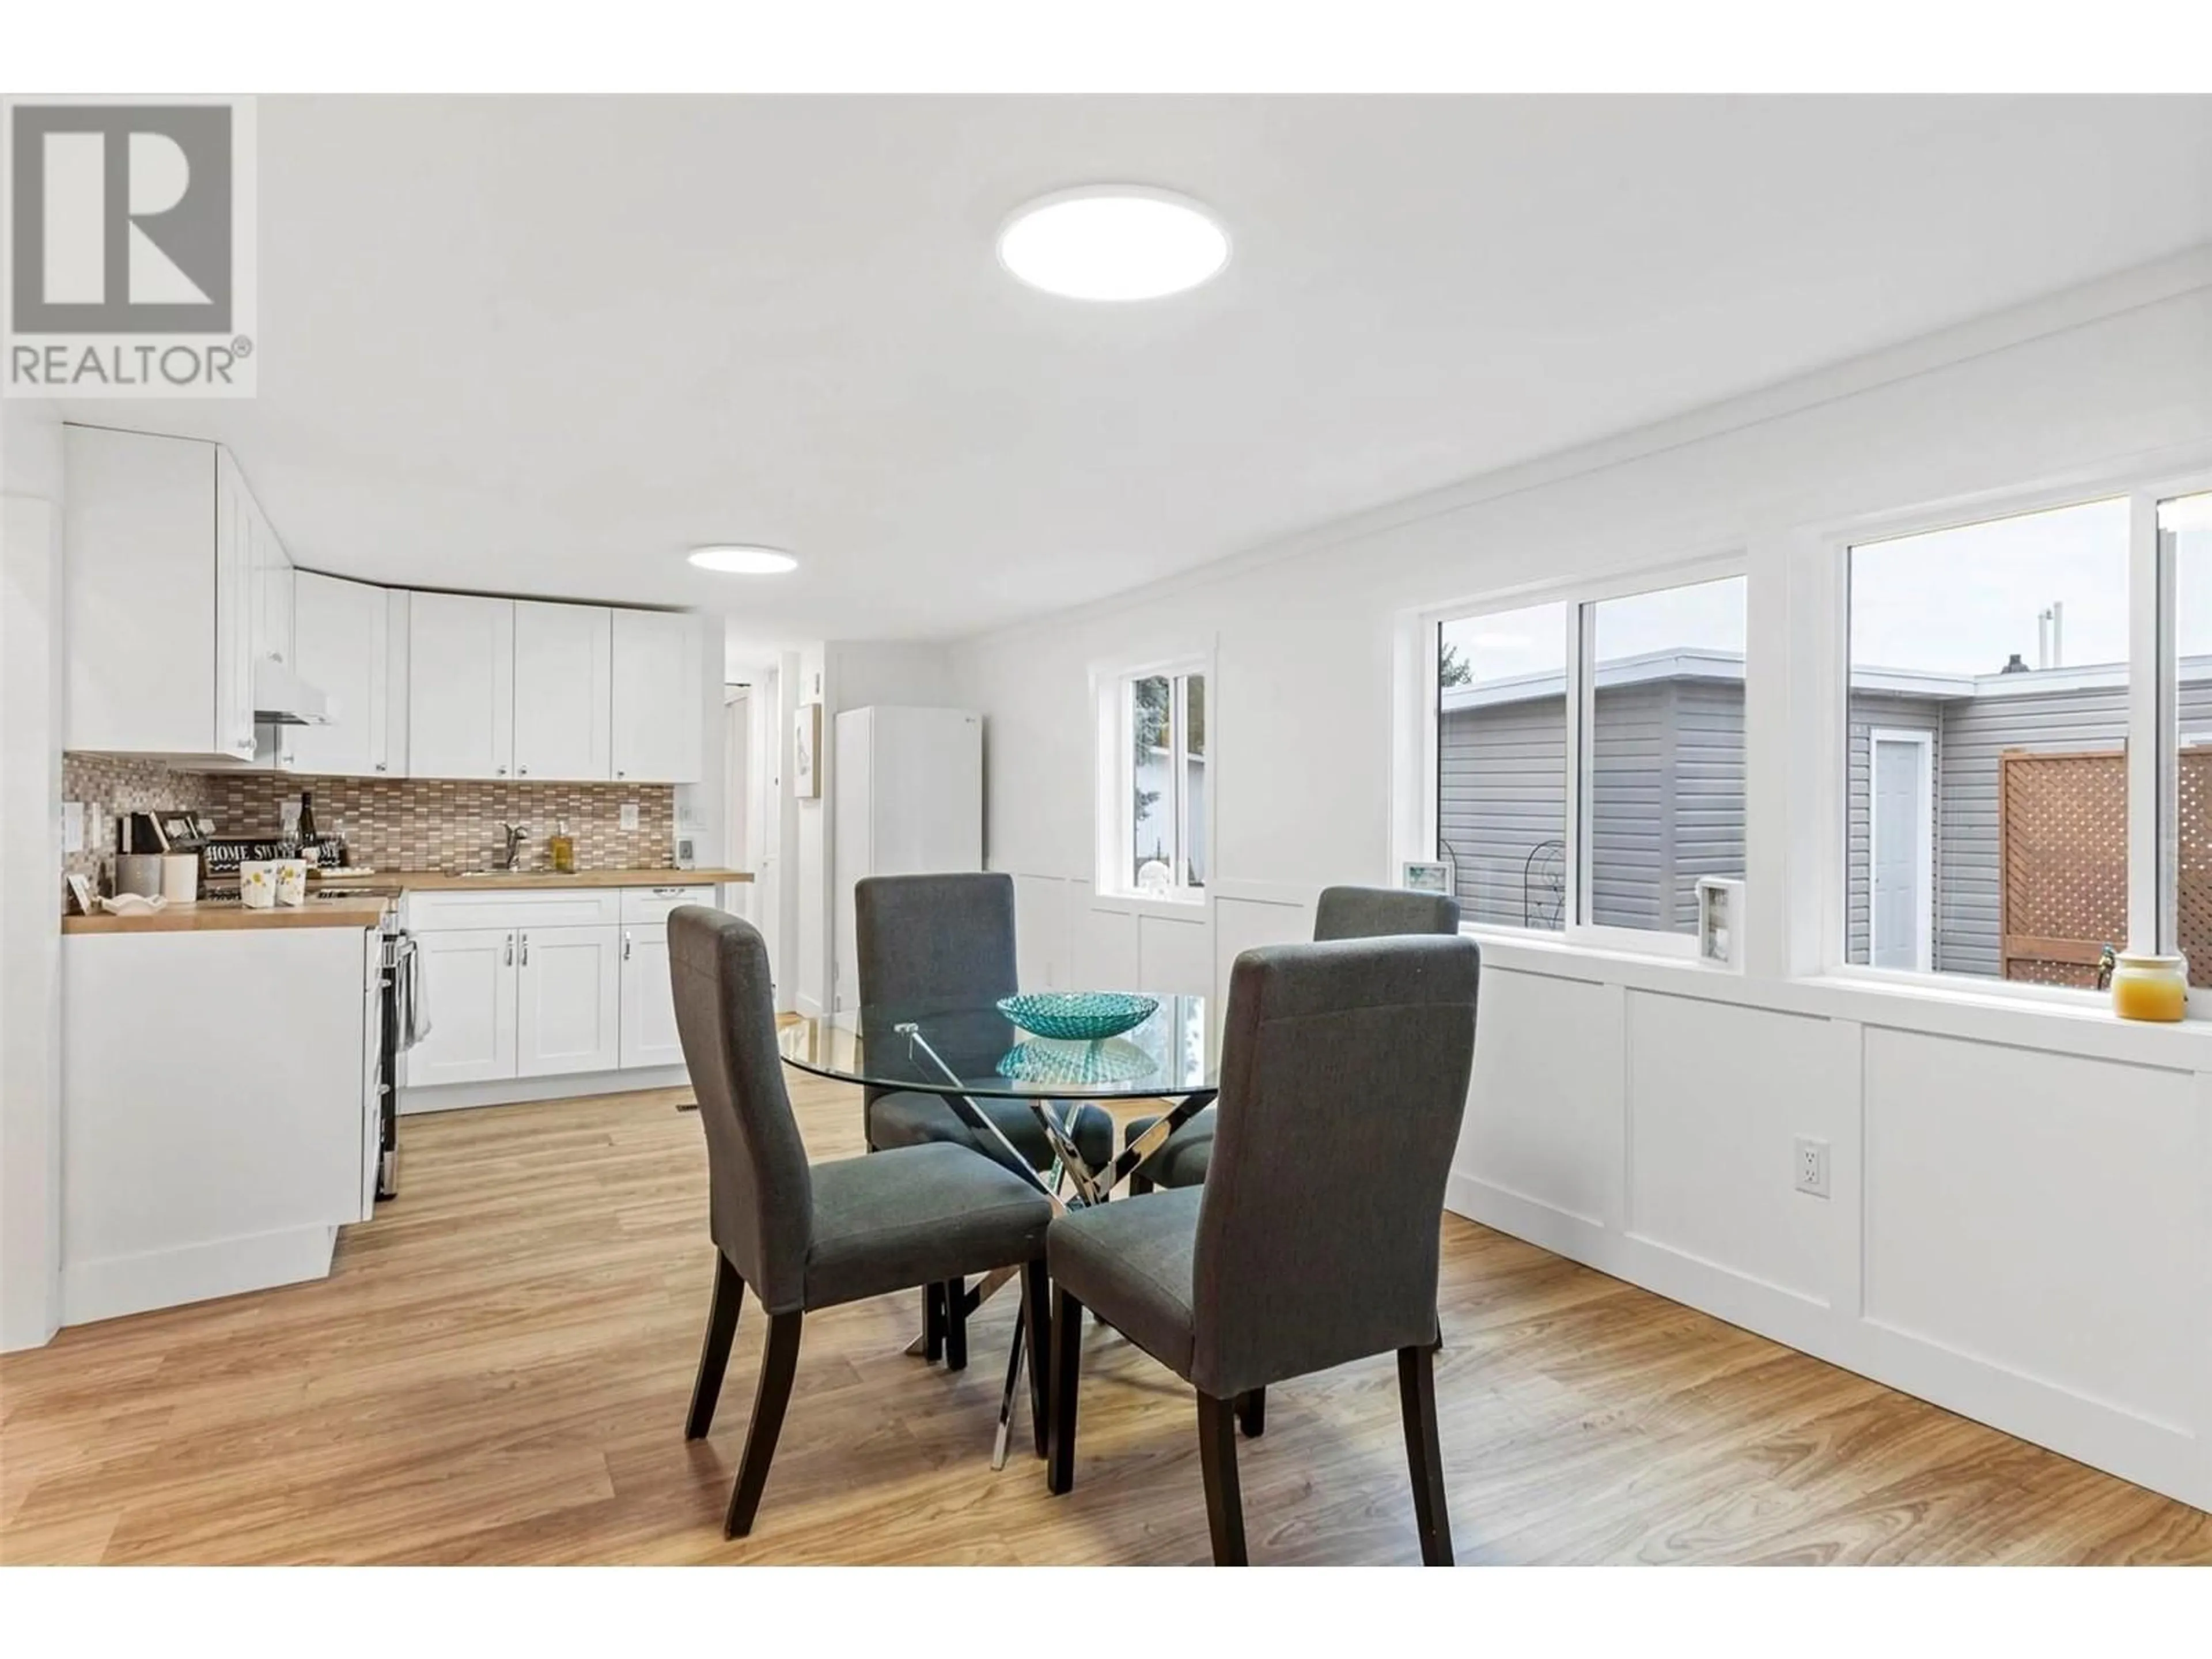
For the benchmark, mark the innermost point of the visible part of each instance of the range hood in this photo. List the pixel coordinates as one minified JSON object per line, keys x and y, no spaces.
{"x":283,"y":698}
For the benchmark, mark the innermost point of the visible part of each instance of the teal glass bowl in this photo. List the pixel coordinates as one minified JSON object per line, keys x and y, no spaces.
{"x":1077,"y":1015}
{"x":1077,"y":1065}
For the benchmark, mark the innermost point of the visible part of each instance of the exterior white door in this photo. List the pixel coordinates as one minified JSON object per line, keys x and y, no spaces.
{"x":658,"y":719}
{"x":649,"y":1000}
{"x":340,"y":644}
{"x":460,"y":686}
{"x":468,"y":994}
{"x":1900,"y":850}
{"x":568,"y":985}
{"x":562,"y":698}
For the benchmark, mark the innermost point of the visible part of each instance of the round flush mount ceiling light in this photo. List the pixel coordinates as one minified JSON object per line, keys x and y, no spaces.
{"x":735,"y":561}
{"x":1114,"y":242}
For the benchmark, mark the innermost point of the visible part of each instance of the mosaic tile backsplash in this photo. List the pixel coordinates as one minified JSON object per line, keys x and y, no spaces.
{"x":388,"y":824}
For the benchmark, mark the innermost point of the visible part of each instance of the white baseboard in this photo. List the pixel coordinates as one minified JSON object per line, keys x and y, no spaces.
{"x":133,"y":1284}
{"x":2165,"y":1457}
{"x":509,"y":1091}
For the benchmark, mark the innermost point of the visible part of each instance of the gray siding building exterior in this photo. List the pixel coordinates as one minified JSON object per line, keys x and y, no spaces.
{"x":1667,"y":787}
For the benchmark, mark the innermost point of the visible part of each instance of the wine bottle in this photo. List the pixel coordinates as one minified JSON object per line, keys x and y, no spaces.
{"x":308,"y":838}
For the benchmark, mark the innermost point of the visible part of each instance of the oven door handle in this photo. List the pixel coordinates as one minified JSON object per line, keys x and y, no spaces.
{"x":407,"y":979}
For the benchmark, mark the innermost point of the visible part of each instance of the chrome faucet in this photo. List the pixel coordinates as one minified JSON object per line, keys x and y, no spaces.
{"x":512,"y":860}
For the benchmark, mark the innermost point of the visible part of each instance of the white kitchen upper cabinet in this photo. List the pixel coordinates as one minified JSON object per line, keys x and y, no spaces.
{"x":563,"y":669}
{"x":272,"y":576}
{"x":469,"y":986}
{"x":658,"y":686}
{"x":568,"y":987}
{"x":398,"y":609}
{"x":235,"y":608}
{"x":649,"y":1000}
{"x":341,"y":645}
{"x":159,"y":622}
{"x":460,"y":686}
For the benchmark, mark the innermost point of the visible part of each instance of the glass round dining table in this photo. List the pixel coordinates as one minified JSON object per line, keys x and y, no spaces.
{"x":966,"y":1052}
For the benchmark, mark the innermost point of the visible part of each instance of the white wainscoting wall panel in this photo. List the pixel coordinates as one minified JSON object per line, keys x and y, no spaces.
{"x":1105,"y":946}
{"x":1174,"y":956}
{"x":2026,"y":1209}
{"x":1717,"y":1097}
{"x":1545,"y":1120}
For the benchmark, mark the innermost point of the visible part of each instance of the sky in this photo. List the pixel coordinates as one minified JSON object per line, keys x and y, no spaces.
{"x":1958,"y":601}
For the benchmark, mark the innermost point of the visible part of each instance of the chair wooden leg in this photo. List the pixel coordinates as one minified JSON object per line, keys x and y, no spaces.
{"x":1252,"y":1412}
{"x":1216,"y":1457}
{"x":778,"y":1363}
{"x":1067,"y":1366}
{"x":1417,"y":1398}
{"x":1036,"y":1303}
{"x":714,"y":1354}
{"x":955,"y":1293}
{"x":932,"y":1322}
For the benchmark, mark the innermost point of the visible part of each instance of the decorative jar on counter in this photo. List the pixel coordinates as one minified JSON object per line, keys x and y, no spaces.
{"x":2148,"y":986}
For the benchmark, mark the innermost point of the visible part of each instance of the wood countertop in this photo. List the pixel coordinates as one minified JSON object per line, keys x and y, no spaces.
{"x":433,"y":881}
{"x":228,"y":915}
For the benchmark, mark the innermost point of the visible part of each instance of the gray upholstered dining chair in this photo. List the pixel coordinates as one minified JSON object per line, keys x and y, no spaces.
{"x":1345,"y":1068}
{"x":934,"y":944}
{"x":1343,"y":913}
{"x":806,"y":1237}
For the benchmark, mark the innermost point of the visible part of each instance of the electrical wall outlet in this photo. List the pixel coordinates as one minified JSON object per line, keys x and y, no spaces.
{"x":1812,"y":1166}
{"x":629,"y":815}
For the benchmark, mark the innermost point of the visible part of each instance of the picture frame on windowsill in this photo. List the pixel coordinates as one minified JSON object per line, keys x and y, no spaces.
{"x":1425,"y":876}
{"x":1720,"y":922}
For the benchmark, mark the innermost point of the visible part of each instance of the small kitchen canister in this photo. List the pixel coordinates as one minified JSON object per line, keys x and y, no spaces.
{"x":257,"y":883}
{"x":2148,"y":986}
{"x":291,"y":881}
{"x":181,"y":877}
{"x":138,"y":872}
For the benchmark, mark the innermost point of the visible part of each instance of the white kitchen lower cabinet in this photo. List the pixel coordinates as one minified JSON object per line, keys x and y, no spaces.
{"x":218,"y":1110}
{"x":469,"y":989}
{"x":649,"y":1000}
{"x":568,"y":1016}
{"x":526,"y":986}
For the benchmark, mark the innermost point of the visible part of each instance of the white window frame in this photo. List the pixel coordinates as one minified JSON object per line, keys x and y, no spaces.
{"x":1113,"y":808}
{"x":1924,"y":872}
{"x":1579,"y":600}
{"x":2153,"y":706}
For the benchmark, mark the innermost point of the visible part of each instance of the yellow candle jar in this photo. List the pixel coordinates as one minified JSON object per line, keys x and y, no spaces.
{"x":2147,"y":987}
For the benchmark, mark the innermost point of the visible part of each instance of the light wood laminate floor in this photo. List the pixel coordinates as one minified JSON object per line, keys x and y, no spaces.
{"x":497,"y":1372}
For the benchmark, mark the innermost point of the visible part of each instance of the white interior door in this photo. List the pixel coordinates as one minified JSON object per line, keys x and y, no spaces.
{"x":649,"y":1000}
{"x":1901,"y":850}
{"x":770,"y":736}
{"x":469,"y":993}
{"x":568,"y":987}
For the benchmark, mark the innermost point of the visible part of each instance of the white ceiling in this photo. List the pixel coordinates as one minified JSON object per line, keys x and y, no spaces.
{"x":544,"y":345}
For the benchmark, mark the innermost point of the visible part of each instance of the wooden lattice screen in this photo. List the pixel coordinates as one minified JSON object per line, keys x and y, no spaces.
{"x":2193,"y":881}
{"x":2062,"y":852}
{"x":2063,"y":862}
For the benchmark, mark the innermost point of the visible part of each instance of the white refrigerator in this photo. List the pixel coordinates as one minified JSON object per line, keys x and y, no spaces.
{"x":907,"y":792}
